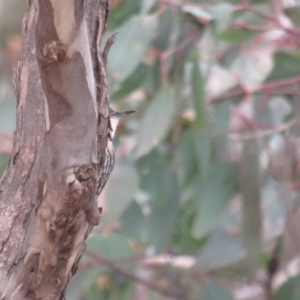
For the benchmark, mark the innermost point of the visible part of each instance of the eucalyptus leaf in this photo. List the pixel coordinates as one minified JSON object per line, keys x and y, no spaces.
{"x":266,"y":114}
{"x":185,"y":157}
{"x":221,"y":250}
{"x":214,"y":291}
{"x":123,"y":12}
{"x":253,"y":66}
{"x":167,"y":31}
{"x":147,"y":4}
{"x":132,"y":83}
{"x":215,"y":192}
{"x":198,"y":96}
{"x":285,"y":65}
{"x":79,"y":283}
{"x":3,"y":162}
{"x":222,"y":15}
{"x":7,"y":116}
{"x":237,"y":35}
{"x":132,"y":41}
{"x":250,"y":188}
{"x":289,"y":290}
{"x":163,"y":217}
{"x":275,"y":202}
{"x":156,"y":121}
{"x":112,"y":246}
{"x":154,"y":171}
{"x":126,"y":179}
{"x":197,"y":12}
{"x":293,"y":13}
{"x":11,"y":14}
{"x":203,"y":150}
{"x":133,"y":223}
{"x":222,"y":116}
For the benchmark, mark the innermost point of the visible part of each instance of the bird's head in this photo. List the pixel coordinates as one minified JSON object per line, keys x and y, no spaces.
{"x":114,"y":118}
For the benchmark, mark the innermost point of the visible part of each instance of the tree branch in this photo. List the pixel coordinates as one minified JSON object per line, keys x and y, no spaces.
{"x":47,"y":196}
{"x":148,"y":284}
{"x":266,"y":88}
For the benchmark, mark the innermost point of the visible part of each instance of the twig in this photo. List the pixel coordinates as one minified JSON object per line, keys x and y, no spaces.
{"x":262,"y":134}
{"x":248,"y":7}
{"x":266,"y":88}
{"x":243,"y":26}
{"x":277,"y":11}
{"x":150,"y":285}
{"x":280,"y":83}
{"x":165,"y":54}
{"x":169,"y":3}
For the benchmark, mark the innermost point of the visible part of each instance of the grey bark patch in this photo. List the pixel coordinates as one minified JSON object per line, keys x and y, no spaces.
{"x":79,"y":12}
{"x":45,"y":28}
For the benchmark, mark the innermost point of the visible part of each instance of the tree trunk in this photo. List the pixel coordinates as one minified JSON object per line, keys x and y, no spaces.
{"x":47,"y":194}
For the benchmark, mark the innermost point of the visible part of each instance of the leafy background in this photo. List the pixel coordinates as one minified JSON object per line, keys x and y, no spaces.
{"x":203,"y":202}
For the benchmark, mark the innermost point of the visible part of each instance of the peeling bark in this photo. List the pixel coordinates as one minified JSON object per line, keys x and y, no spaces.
{"x":47,"y":194}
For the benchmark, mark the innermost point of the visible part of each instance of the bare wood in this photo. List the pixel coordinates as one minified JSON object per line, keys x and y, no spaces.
{"x":47,"y":195}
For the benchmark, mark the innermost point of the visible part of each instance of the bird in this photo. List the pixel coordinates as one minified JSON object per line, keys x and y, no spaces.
{"x":109,"y":159}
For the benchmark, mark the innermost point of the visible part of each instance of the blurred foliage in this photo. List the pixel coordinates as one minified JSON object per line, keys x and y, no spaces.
{"x":11,"y":14}
{"x":203,"y":202}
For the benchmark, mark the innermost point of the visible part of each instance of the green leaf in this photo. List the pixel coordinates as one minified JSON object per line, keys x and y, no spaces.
{"x":253,"y":67}
{"x":213,"y":291}
{"x":185,"y":157}
{"x":153,"y":82}
{"x":237,"y":35}
{"x":265,"y":115}
{"x":226,"y":236}
{"x":154,"y":176}
{"x":132,"y":42}
{"x":290,"y":290}
{"x":160,"y":195}
{"x":197,"y":12}
{"x":121,"y":187}
{"x":215,"y":192}
{"x":198,"y":96}
{"x":133,"y":82}
{"x":7,"y":116}
{"x":147,"y":4}
{"x":156,"y":122}
{"x":275,"y":202}
{"x":222,"y":15}
{"x":222,"y":249}
{"x":250,"y":188}
{"x":11,"y":15}
{"x":222,"y":116}
{"x":182,"y":239}
{"x":133,"y":223}
{"x":81,"y":282}
{"x":293,"y":13}
{"x":123,"y":12}
{"x":4,"y":158}
{"x":203,"y":150}
{"x":285,"y":65}
{"x":113,"y":246}
{"x":259,"y":1}
{"x":167,"y":31}
{"x":193,"y":155}
{"x":163,"y":216}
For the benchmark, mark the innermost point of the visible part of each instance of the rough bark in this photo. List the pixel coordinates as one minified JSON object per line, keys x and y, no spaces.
{"x":47,"y":194}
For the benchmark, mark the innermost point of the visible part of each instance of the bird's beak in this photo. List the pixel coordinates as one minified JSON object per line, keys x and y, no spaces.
{"x":125,"y":112}
{"x":128,"y":112}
